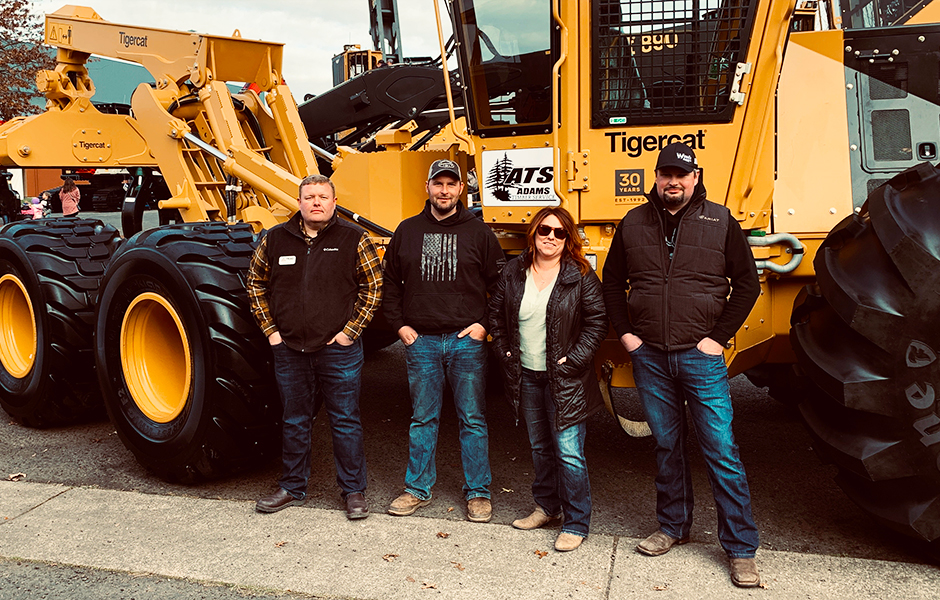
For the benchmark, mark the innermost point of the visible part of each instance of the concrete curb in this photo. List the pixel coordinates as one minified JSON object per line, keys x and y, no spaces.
{"x":320,"y":552}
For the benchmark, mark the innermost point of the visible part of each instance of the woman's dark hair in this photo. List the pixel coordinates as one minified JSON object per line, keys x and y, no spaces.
{"x":68,"y":185}
{"x":572,"y":241}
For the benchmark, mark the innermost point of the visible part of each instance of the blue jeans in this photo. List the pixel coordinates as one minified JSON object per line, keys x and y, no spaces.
{"x":462,"y":361}
{"x":561,"y":476}
{"x":666,"y":381}
{"x":330,"y":375}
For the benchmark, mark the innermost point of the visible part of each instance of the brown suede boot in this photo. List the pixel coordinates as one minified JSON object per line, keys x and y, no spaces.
{"x":537,"y":519}
{"x":566,"y":542}
{"x":744,"y":572}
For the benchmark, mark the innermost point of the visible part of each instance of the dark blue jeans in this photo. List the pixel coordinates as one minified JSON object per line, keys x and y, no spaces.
{"x":561,"y":476}
{"x":462,"y":361}
{"x":666,"y":381}
{"x":333,"y":373}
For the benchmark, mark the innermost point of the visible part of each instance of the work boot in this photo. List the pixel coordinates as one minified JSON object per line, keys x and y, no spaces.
{"x":658,"y":544}
{"x":406,"y":504}
{"x":566,"y":542}
{"x":744,"y":572}
{"x":537,"y":519}
{"x":279,"y":500}
{"x":479,"y":510}
{"x":356,"y":506}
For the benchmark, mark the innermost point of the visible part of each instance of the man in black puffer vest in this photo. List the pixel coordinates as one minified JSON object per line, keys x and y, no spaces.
{"x":676,"y":254}
{"x":314,"y":284}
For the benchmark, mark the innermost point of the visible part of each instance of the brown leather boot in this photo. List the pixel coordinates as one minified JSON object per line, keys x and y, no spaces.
{"x":658,"y":544}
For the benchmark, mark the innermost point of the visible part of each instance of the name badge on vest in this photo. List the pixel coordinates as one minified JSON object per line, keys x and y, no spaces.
{"x":287,"y":260}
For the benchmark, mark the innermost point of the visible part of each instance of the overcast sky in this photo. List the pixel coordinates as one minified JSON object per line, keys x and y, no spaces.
{"x":313,"y":31}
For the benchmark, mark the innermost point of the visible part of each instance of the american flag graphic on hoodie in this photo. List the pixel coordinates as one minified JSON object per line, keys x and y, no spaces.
{"x":439,"y":257}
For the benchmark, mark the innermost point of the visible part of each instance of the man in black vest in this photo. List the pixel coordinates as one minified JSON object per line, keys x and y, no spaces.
{"x":676,"y":254}
{"x":314,"y":284}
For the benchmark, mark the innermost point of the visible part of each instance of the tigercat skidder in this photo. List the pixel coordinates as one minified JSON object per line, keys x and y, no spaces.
{"x":817,"y":130}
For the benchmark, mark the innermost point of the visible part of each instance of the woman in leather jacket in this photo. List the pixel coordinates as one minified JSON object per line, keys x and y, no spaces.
{"x":547,"y":321}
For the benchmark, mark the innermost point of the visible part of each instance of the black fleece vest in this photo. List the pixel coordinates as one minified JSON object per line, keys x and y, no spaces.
{"x":674,"y":304}
{"x":313,"y":287}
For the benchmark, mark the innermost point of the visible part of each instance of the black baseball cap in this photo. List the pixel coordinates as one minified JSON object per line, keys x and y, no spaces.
{"x":677,"y":155}
{"x":443,"y":166}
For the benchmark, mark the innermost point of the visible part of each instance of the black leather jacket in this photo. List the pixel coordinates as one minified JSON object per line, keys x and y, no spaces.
{"x":575,"y":325}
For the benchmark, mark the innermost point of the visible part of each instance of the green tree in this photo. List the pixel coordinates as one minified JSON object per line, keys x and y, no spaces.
{"x":22,"y":55}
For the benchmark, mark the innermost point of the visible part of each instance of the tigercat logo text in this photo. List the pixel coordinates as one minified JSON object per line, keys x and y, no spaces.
{"x":636,"y":145}
{"x":133,"y":40}
{"x":92,"y":145}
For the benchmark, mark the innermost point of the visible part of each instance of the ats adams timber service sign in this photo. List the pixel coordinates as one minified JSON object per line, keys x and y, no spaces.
{"x":518,"y":177}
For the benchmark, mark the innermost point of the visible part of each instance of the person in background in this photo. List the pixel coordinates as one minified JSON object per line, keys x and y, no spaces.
{"x":547,"y":320}
{"x":70,"y":195}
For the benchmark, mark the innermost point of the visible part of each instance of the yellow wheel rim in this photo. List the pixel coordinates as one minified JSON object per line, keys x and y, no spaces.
{"x":156,"y":358}
{"x":18,"y":333}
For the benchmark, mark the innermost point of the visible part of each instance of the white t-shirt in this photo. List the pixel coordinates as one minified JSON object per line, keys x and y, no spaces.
{"x":532,"y":312}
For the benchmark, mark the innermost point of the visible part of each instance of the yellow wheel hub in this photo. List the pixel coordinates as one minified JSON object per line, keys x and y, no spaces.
{"x":155,"y":356}
{"x":18,"y":334}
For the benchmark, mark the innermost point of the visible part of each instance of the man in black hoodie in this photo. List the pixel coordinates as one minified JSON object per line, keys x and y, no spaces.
{"x":439,"y":267}
{"x":676,"y":255}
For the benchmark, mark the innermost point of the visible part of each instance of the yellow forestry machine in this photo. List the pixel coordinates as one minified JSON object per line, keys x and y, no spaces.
{"x":815,"y":125}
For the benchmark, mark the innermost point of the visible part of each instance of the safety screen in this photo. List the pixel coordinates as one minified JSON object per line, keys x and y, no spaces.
{"x":891,"y":134}
{"x":667,"y":62}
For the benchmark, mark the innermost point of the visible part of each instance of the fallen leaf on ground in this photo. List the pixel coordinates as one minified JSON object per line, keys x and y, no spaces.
{"x":451,"y":509}
{"x":410,"y":578}
{"x":16,"y":476}
{"x":660,"y":588}
{"x":280,"y":544}
{"x":541,"y":553}
{"x":390,"y":557}
{"x":443,"y":535}
{"x":457,"y":565}
{"x":507,"y":491}
{"x":428,"y":586}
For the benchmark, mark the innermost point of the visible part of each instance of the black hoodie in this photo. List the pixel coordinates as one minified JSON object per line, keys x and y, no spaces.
{"x":438,"y":273}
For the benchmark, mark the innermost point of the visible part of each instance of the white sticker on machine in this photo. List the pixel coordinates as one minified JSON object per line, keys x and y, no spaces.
{"x":518,"y":177}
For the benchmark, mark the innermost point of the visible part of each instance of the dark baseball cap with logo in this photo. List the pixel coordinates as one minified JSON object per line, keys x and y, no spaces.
{"x":677,"y":155}
{"x":444,"y":166}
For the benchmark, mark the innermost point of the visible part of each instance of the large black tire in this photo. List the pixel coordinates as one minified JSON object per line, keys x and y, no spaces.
{"x":868,"y":335}
{"x":50,"y":271}
{"x":186,"y":374}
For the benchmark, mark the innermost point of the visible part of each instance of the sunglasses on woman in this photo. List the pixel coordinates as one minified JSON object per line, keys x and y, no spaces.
{"x":544,"y":230}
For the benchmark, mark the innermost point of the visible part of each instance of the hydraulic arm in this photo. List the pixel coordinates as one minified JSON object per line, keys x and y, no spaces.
{"x":187,"y":123}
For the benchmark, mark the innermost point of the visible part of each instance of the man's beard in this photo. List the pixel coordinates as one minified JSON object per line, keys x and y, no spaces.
{"x":438,"y":203}
{"x":674,"y":201}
